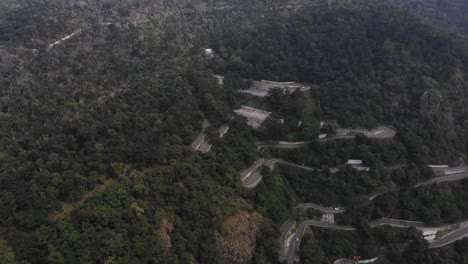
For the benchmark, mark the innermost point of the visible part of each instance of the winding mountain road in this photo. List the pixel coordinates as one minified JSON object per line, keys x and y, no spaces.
{"x":323,"y":209}
{"x":249,"y":171}
{"x":252,"y":176}
{"x":290,"y":244}
{"x":201,"y":143}
{"x":450,"y":238}
{"x":290,"y":241}
{"x":271,"y":163}
{"x":380,"y":132}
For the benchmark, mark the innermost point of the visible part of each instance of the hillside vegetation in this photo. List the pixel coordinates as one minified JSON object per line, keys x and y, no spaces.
{"x":95,"y":157}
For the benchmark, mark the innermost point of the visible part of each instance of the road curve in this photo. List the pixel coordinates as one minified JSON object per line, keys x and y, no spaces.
{"x":450,"y":238}
{"x":253,"y":180}
{"x":252,"y":176}
{"x":285,"y":252}
{"x":247,"y":172}
{"x":446,"y":240}
{"x":290,"y":246}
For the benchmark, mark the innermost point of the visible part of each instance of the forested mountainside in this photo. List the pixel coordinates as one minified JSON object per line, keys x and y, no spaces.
{"x":450,"y":14}
{"x":367,"y":68}
{"x":101,"y":100}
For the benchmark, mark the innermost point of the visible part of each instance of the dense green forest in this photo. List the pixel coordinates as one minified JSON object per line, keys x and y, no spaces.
{"x":369,"y":70}
{"x":448,"y":14}
{"x":100,"y":100}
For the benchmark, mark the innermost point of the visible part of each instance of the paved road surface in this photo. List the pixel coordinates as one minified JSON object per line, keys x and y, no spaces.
{"x":285,"y":249}
{"x":205,"y":147}
{"x":289,"y":253}
{"x":448,"y":170}
{"x":396,"y":223}
{"x":321,"y":208}
{"x":377,"y":194}
{"x":286,"y":227}
{"x":284,"y":145}
{"x":327,"y":225}
{"x":222,"y":130}
{"x":247,"y":172}
{"x":253,"y":180}
{"x":255,"y":92}
{"x":198,"y":141}
{"x":350,"y":261}
{"x":448,"y":178}
{"x":272,"y":162}
{"x":380,"y":132}
{"x":201,"y":143}
{"x":452,"y":237}
{"x":252,"y":176}
{"x":255,"y":117}
{"x":297,"y":165}
{"x":440,"y":179}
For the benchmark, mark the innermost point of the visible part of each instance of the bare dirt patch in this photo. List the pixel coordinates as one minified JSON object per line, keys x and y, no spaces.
{"x":69,"y":207}
{"x":166,"y":229}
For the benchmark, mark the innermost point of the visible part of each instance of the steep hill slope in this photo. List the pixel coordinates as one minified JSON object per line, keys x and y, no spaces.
{"x":127,"y":85}
{"x":371,"y":64}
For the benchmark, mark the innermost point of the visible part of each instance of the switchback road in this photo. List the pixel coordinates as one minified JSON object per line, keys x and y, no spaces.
{"x":252,"y":176}
{"x":380,"y":132}
{"x":450,"y":238}
{"x":290,"y":244}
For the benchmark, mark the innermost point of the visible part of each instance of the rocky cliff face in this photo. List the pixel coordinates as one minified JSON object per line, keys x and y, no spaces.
{"x":236,"y":241}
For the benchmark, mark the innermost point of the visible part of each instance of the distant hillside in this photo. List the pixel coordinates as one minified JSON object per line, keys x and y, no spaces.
{"x":100,"y":100}
{"x":372,"y":63}
{"x":450,"y":14}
